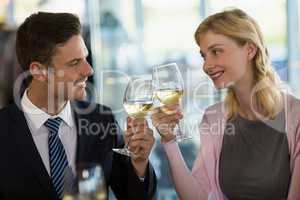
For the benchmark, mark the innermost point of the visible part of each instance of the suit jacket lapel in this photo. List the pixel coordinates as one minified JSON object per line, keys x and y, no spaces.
{"x":80,"y":147}
{"x":84,"y":138}
{"x":29,"y":152}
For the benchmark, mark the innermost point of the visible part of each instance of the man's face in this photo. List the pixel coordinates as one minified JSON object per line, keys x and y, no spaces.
{"x":69,"y":70}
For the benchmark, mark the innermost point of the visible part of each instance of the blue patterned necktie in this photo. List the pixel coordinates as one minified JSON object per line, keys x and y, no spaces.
{"x":57,"y":156}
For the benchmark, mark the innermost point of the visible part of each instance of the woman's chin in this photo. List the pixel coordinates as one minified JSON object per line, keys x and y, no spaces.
{"x":222,"y":84}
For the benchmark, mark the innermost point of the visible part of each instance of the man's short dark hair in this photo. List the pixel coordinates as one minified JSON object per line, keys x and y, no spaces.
{"x":39,"y":35}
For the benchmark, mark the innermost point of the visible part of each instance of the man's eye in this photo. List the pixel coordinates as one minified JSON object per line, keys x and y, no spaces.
{"x":74,"y":63}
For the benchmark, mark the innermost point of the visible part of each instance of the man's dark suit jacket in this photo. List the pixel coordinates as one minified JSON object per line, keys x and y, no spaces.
{"x":24,"y":176}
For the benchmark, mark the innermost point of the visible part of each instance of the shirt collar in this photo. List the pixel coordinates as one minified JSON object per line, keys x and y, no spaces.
{"x":38,"y":117}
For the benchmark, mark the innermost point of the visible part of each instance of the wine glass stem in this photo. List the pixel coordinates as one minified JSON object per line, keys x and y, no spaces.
{"x":127,"y":144}
{"x":179,"y":131}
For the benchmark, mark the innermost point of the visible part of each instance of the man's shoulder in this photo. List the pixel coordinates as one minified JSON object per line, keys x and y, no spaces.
{"x":5,"y":111}
{"x":9,"y":115}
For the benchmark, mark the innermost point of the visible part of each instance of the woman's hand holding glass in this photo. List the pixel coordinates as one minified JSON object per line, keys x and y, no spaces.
{"x":168,"y":88}
{"x":165,"y":119}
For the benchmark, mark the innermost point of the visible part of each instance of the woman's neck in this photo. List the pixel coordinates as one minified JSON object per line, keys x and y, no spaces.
{"x":247,"y":103}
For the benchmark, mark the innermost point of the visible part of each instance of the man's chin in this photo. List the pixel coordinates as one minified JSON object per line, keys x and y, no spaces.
{"x":79,"y":95}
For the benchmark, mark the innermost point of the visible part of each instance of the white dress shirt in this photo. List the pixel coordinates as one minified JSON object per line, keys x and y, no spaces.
{"x":36,"y":118}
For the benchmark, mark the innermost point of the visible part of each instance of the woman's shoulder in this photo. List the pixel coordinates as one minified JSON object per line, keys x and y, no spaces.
{"x":292,"y":100}
{"x":292,"y":111}
{"x":217,"y":105}
{"x":292,"y":106}
{"x":213,"y":120}
{"x":215,"y":111}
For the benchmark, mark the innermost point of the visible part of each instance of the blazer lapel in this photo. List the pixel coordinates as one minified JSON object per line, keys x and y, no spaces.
{"x":85,"y":139}
{"x":81,"y":145}
{"x":27,"y":148}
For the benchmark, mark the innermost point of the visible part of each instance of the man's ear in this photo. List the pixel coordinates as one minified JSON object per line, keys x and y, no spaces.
{"x":251,"y":49}
{"x":38,"y":71}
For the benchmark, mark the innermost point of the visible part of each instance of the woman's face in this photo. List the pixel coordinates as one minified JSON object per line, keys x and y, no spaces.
{"x":225,"y":61}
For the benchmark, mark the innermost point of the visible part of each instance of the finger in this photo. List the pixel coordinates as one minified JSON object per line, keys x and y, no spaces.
{"x":140,"y":155}
{"x":141,"y":147}
{"x":171,"y":109}
{"x":164,"y":129}
{"x":132,"y":120}
{"x":158,"y":114}
{"x":144,"y":150}
{"x":127,"y":137}
{"x":164,"y":114}
{"x":139,"y":123}
{"x":136,"y":126}
{"x":167,"y":119}
{"x":171,"y":117}
{"x":155,"y":110}
{"x":138,"y":130}
{"x":128,"y":133}
{"x":134,"y":145}
{"x":145,"y":135}
{"x":159,"y":117}
{"x":172,"y":106}
{"x":139,"y":152}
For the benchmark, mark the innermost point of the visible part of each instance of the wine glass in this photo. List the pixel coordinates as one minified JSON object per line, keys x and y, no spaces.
{"x":137,"y":101}
{"x":168,"y":89}
{"x":88,"y":184}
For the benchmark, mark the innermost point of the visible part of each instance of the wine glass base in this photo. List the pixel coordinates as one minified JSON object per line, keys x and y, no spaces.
{"x":123,"y":151}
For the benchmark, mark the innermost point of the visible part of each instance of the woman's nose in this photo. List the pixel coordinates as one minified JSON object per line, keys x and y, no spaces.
{"x":207,"y":66}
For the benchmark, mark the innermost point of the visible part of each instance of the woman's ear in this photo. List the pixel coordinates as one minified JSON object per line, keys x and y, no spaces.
{"x":38,"y":71}
{"x":251,"y":49}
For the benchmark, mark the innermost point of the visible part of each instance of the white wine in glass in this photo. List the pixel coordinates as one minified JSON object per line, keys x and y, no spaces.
{"x":137,"y":101}
{"x":168,"y":89}
{"x":169,"y":96}
{"x":138,"y":109}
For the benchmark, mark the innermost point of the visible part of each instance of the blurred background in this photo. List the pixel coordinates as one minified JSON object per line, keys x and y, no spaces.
{"x":129,"y":37}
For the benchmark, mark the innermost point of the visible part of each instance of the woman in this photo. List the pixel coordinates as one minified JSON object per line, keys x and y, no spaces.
{"x":243,"y":154}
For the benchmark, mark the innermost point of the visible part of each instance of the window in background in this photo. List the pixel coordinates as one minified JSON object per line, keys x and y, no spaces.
{"x":23,"y":9}
{"x":293,"y":43}
{"x":169,"y":29}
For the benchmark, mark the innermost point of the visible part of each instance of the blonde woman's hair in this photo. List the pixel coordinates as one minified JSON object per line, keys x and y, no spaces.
{"x":242,"y":28}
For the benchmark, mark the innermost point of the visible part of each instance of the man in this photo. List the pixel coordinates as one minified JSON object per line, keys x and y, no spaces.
{"x":50,"y":131}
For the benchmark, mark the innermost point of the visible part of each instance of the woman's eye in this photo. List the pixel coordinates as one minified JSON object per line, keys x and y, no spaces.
{"x":203,"y":56}
{"x":215,"y":52}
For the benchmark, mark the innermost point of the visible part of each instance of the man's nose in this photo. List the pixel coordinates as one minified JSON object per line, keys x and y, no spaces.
{"x":87,"y":69}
